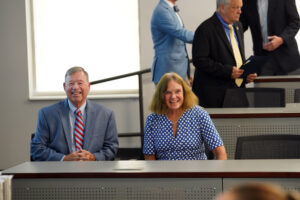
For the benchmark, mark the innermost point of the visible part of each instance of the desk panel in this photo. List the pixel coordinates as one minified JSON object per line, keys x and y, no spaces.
{"x":116,"y":188}
{"x":142,"y":179}
{"x":231,"y":128}
{"x":235,"y":122}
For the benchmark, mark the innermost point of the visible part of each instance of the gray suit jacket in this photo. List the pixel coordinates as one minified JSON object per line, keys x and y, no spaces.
{"x":53,"y":134}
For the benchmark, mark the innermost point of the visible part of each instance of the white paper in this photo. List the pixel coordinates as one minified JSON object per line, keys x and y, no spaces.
{"x":1,"y":188}
{"x":6,"y":187}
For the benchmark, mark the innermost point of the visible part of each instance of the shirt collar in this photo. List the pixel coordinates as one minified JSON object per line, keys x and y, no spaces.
{"x":73,"y":108}
{"x":169,"y":3}
{"x":225,"y":25}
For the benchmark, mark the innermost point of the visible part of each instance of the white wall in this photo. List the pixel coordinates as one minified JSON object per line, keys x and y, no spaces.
{"x":19,"y":115}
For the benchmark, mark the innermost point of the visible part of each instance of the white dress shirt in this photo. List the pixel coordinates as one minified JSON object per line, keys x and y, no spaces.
{"x":172,"y":6}
{"x":262,"y":7}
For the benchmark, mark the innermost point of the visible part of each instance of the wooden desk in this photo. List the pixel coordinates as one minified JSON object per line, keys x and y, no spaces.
{"x":144,"y":179}
{"x":234,"y":122}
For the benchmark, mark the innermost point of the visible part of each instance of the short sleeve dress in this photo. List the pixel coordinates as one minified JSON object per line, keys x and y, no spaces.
{"x":193,"y":128}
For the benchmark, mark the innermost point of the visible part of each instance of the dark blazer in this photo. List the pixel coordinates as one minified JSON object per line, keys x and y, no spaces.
{"x":53,"y":134}
{"x":213,"y":59}
{"x":283,"y":21}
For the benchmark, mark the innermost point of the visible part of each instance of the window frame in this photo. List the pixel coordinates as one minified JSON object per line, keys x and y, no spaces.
{"x":94,"y":94}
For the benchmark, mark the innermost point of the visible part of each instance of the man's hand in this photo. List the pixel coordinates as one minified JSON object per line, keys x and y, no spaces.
{"x":81,"y":155}
{"x":236,"y":73}
{"x":86,"y":156}
{"x":74,"y":156}
{"x":274,"y":43}
{"x":251,"y":77}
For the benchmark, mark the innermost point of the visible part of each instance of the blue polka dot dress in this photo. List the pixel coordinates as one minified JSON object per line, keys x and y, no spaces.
{"x":193,"y":128}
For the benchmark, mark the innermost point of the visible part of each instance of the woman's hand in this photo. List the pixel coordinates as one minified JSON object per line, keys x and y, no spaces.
{"x":150,"y":157}
{"x":220,"y":153}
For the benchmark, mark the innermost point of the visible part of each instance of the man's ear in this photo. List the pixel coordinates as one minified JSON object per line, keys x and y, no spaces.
{"x":64,"y":85}
{"x":222,"y":7}
{"x":89,"y":86}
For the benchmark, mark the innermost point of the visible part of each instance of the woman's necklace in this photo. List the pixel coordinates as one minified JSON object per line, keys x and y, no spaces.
{"x":175,"y":122}
{"x":174,"y":118}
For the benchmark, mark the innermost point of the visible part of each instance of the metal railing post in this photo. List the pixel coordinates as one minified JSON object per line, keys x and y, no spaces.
{"x":141,"y":104}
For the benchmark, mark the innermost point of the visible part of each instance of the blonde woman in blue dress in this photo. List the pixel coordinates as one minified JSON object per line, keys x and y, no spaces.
{"x":178,"y":128}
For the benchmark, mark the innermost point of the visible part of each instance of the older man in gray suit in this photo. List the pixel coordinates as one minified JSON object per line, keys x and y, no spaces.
{"x":62,"y":135}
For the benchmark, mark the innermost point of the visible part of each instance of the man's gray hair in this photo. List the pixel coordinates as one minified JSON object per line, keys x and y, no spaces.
{"x":219,"y":2}
{"x":74,"y":70}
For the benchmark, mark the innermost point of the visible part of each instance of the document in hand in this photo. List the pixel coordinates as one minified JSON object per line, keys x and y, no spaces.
{"x":253,"y":65}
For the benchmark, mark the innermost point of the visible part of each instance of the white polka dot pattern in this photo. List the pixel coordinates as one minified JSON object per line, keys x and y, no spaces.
{"x":194,"y":126}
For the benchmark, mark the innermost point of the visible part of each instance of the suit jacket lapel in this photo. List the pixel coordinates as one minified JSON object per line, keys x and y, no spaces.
{"x":221,"y":32}
{"x":167,"y":6}
{"x":241,"y":43}
{"x":254,"y":7}
{"x":271,"y":9}
{"x":88,"y":128}
{"x":65,"y":120}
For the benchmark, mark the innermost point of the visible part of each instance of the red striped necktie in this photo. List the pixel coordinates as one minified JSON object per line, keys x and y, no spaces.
{"x":78,"y":130}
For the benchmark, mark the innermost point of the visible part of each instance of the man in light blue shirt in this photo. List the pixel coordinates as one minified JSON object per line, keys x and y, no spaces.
{"x":169,"y":37}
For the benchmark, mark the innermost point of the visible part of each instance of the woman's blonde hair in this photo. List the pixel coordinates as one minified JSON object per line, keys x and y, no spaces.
{"x":158,"y":104}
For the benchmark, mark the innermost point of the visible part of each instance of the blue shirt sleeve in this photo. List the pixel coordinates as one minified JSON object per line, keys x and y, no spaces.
{"x":209,"y":132}
{"x":149,"y":148}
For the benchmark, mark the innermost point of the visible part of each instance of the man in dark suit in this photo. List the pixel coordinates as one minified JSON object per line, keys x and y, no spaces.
{"x":56,"y":137}
{"x":273,"y":24}
{"x":217,"y":67}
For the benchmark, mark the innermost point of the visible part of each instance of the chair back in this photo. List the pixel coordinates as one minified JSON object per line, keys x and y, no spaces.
{"x":268,"y":147}
{"x":32,"y":136}
{"x":129,"y":154}
{"x":254,"y":97}
{"x":297,"y":96}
